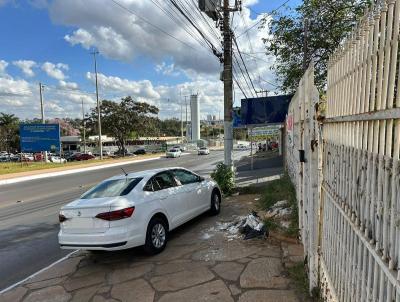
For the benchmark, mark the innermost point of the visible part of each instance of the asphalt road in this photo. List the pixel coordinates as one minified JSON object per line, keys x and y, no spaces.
{"x":29,"y":212}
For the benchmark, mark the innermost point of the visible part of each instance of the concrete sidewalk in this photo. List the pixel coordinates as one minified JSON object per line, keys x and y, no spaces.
{"x":200,"y":263}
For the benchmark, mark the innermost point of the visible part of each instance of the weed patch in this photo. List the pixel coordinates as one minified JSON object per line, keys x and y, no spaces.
{"x":277,"y":190}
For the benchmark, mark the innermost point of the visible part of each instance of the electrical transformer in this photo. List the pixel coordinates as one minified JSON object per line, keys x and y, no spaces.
{"x":210,"y":7}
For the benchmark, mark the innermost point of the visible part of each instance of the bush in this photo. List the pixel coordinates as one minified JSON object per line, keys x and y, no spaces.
{"x":225,"y":178}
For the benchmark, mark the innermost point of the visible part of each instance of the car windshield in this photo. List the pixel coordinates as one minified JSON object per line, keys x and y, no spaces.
{"x":173,"y":150}
{"x":203,"y":148}
{"x":112,"y":188}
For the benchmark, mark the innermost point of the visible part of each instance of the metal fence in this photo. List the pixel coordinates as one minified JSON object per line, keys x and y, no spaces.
{"x":303,"y":164}
{"x":355,"y":211}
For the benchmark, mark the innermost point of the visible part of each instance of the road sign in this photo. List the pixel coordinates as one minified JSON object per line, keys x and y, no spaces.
{"x":261,"y":133}
{"x":237,"y":119}
{"x":39,"y":137}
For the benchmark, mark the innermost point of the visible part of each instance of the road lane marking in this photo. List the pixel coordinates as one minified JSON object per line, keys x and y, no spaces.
{"x":38,"y":272}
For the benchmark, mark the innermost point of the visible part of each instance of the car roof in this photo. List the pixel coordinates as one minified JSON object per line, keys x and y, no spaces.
{"x":146,"y":174}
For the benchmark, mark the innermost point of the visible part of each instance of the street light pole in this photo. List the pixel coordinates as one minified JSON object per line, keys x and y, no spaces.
{"x":41,"y":86}
{"x":84,"y":128}
{"x":94,"y":53}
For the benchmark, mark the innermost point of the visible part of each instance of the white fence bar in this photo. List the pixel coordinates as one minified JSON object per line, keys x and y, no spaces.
{"x":348,"y":185}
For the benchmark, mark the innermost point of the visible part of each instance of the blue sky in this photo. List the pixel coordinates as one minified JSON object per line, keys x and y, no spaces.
{"x":53,"y":39}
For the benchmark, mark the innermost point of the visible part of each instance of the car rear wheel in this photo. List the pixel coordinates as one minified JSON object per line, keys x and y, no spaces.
{"x":215,"y":203}
{"x":156,"y":236}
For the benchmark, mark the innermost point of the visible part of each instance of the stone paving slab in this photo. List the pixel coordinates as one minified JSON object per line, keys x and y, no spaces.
{"x":193,"y":267}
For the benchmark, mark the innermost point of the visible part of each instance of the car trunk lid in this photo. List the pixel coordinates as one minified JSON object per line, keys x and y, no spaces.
{"x":81,"y":216}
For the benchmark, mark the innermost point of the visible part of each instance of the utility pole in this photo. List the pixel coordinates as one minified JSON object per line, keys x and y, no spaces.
{"x":305,"y":44}
{"x":84,"y":127}
{"x":41,"y":86}
{"x":94,"y":53}
{"x":228,"y":83}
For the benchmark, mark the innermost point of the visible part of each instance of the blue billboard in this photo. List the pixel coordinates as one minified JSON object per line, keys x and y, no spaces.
{"x":265,"y":110}
{"x":39,"y":137}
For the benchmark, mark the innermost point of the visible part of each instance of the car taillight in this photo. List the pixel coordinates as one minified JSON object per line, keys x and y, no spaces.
{"x":61,"y":218}
{"x":116,"y":215}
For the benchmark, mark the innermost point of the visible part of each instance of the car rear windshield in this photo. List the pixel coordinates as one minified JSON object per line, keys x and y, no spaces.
{"x":173,"y":150}
{"x":112,"y":188}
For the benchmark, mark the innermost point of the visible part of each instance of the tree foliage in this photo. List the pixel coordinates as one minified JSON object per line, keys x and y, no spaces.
{"x":9,"y":132}
{"x":125,"y":120}
{"x":329,"y":22}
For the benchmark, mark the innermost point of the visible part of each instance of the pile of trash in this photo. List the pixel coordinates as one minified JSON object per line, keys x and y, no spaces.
{"x":247,"y":227}
{"x":281,"y":211}
{"x":253,"y":227}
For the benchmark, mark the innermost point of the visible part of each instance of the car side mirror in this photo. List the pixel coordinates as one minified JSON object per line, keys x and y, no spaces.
{"x":201,"y":178}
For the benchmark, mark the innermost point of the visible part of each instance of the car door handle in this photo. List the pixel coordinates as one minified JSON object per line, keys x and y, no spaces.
{"x":163,"y":197}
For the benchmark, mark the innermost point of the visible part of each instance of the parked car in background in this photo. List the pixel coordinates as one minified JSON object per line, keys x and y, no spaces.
{"x":140,"y":151}
{"x":203,"y":151}
{"x":136,"y":209}
{"x":58,"y":159}
{"x":84,"y":156}
{"x":182,"y":148}
{"x":121,"y":153}
{"x":80,"y":157}
{"x":173,"y":153}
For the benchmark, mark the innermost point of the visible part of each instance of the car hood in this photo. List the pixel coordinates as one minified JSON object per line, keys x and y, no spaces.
{"x":118,"y":201}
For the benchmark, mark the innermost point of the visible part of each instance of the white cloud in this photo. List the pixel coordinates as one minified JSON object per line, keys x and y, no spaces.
{"x":55,"y":70}
{"x":3,"y":66}
{"x":26,"y":67}
{"x":12,"y":87}
{"x":167,"y":69}
{"x":68,"y":85}
{"x":143,"y":89}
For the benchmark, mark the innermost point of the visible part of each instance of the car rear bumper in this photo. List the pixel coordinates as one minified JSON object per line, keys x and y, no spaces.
{"x":117,"y":238}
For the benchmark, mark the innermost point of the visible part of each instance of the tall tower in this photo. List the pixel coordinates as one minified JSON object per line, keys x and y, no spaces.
{"x":195,"y":117}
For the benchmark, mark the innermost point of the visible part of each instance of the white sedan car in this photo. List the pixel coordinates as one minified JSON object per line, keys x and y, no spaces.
{"x":203,"y":151}
{"x":137,"y":209}
{"x":57,"y":159}
{"x":175,"y":152}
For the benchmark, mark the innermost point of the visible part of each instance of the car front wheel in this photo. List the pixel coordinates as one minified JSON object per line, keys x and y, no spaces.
{"x":156,"y":236}
{"x":215,"y":203}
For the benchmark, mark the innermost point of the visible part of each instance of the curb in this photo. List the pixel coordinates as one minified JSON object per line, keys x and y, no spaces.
{"x":38,"y":272}
{"x":72,"y":171}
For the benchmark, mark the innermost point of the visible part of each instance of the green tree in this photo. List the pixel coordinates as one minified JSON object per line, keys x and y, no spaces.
{"x":329,"y":22}
{"x":124,"y":120}
{"x":9,"y":132}
{"x":171,"y":127}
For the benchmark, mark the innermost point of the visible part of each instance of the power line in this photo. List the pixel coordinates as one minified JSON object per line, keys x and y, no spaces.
{"x":151,"y":24}
{"x":210,"y":44}
{"x":259,"y":21}
{"x":244,"y":64}
{"x":179,"y":22}
{"x":250,"y":44}
{"x":235,"y":60}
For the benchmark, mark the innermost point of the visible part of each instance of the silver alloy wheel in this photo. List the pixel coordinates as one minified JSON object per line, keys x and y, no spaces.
{"x":216,"y":202}
{"x":158,"y":235}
